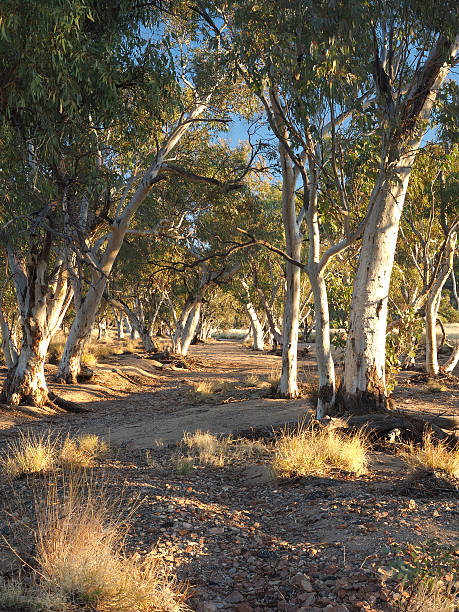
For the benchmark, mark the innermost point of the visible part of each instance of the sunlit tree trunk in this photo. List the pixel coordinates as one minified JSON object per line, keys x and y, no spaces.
{"x":433,"y":304}
{"x":364,"y":386}
{"x":42,"y":302}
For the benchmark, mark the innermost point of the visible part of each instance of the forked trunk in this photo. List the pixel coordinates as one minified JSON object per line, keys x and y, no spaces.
{"x":190,"y":327}
{"x":288,"y":386}
{"x":43,"y":302}
{"x":433,"y":304}
{"x":257,"y":328}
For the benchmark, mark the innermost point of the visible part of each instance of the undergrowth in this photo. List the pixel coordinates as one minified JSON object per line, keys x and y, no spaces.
{"x":314,"y":450}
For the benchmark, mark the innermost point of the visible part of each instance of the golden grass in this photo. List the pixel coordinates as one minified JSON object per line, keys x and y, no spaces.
{"x":17,"y":597}
{"x":81,"y":556}
{"x":210,"y":450}
{"x":36,"y":454}
{"x":434,"y":455}
{"x":434,"y":386}
{"x":429,"y":597}
{"x":208,"y":388}
{"x":274,"y":380}
{"x":30,"y":454}
{"x":82,"y":451}
{"x":55,"y":350}
{"x":253,"y":380}
{"x":311,"y":450}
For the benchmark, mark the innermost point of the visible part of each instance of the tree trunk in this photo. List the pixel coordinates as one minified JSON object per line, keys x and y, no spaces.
{"x":191,"y":325}
{"x":258,"y":342}
{"x":433,"y":304}
{"x":288,"y":386}
{"x":325,"y":364}
{"x":453,"y":360}
{"x":43,"y":302}
{"x":70,"y":363}
{"x":364,"y":386}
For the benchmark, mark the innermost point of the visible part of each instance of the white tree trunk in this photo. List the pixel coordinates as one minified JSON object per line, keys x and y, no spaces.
{"x":452,"y":361}
{"x":190,"y":327}
{"x":288,"y":386}
{"x":257,"y":328}
{"x":364,"y":374}
{"x":325,"y":364}
{"x":69,"y":366}
{"x":433,"y":304}
{"x":42,"y":304}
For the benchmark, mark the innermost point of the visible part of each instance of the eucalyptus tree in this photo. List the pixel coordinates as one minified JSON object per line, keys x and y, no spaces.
{"x":65,"y":69}
{"x":413,"y":49}
{"x":295,"y":61}
{"x":429,"y":228}
{"x":199,"y":81}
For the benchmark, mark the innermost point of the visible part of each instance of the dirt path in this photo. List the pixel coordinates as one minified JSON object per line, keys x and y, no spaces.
{"x":133,"y":403}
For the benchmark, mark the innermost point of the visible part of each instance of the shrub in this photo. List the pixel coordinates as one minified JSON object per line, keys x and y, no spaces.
{"x":426,"y":574}
{"x":313,"y":450}
{"x":32,"y":454}
{"x":82,"y":451}
{"x":17,"y":597}
{"x":434,"y":455}
{"x":81,"y":556}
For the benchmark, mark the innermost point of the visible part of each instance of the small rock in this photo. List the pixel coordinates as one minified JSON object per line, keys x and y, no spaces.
{"x":206,"y":606}
{"x":235,"y":597}
{"x":216,"y":531}
{"x":244,"y":607}
{"x":303,"y":582}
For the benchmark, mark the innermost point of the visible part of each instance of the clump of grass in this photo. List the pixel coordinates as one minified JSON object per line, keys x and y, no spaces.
{"x":82,"y":451}
{"x":434,"y":455}
{"x":30,"y":454}
{"x":274,"y":380}
{"x":81,"y":555}
{"x":183,"y":465}
{"x":55,"y":350}
{"x":208,"y":388}
{"x":210,"y":450}
{"x":252,"y":380}
{"x":15,"y":597}
{"x":311,"y":450}
{"x":88,"y":359}
{"x":435,"y":386}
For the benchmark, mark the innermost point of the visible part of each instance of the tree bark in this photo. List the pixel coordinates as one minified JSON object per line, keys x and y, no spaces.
{"x":258,"y":342}
{"x":363,"y":387}
{"x":433,"y":304}
{"x":43,"y":302}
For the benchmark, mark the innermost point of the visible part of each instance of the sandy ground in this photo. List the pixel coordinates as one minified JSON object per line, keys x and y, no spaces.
{"x":131,"y":402}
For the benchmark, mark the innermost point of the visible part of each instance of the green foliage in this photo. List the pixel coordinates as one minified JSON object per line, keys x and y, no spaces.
{"x":426,"y":563}
{"x":401,"y":346}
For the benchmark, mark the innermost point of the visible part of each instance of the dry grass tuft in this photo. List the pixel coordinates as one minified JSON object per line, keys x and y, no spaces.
{"x":311,"y":450}
{"x":81,"y":558}
{"x":82,"y":451}
{"x":206,"y":389}
{"x":17,"y":597}
{"x":429,"y":596}
{"x":435,"y":386}
{"x":30,"y":454}
{"x":434,"y":455}
{"x":55,"y":350}
{"x":210,"y":450}
{"x":253,"y":380}
{"x":274,"y":380}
